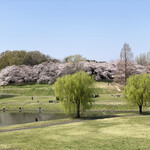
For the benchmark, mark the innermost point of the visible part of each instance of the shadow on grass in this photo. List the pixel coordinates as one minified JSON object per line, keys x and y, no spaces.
{"x":21,"y":84}
{"x":146,"y":113}
{"x":27,"y":84}
{"x":7,"y":96}
{"x":93,"y":116}
{"x":98,"y":117}
{"x":114,"y":115}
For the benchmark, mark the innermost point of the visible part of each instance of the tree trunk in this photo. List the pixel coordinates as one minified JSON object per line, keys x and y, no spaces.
{"x":140,"y":109}
{"x":78,"y":110}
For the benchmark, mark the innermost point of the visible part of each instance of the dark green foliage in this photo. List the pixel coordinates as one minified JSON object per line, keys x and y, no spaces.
{"x":9,"y":58}
{"x":34,"y":58}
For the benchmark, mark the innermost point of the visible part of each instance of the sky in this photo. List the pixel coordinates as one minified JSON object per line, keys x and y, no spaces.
{"x":95,"y":29}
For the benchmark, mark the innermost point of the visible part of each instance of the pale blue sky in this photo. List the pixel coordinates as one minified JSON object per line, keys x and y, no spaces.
{"x":96,"y":29}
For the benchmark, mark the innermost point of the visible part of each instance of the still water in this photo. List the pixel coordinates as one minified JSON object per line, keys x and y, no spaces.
{"x":21,"y":118}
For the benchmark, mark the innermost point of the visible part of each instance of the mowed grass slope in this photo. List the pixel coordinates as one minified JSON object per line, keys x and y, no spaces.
{"x":128,"y":132}
{"x":26,"y":102}
{"x":47,"y":90}
{"x":21,"y":96}
{"x":28,"y":90}
{"x":121,"y":133}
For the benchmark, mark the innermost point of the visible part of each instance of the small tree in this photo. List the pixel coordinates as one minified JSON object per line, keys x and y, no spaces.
{"x":76,"y":61}
{"x":137,"y":90}
{"x":75,"y":92}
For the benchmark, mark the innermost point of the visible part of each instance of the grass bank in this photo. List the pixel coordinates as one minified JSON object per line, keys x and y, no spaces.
{"x":110,"y":97}
{"x":110,"y":133}
{"x":28,"y":90}
{"x":47,"y":90}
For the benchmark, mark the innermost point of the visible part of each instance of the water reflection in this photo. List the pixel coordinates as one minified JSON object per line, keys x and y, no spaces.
{"x":21,"y":118}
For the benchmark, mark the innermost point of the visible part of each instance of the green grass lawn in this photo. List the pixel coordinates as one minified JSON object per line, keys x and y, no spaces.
{"x":20,"y":96}
{"x":128,"y":131}
{"x":26,"y":102}
{"x":121,"y":133}
{"x":47,"y":90}
{"x":34,"y":124}
{"x":28,"y":90}
{"x":105,"y":101}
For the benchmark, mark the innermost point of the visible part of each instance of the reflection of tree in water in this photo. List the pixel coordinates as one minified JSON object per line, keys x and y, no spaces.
{"x":20,"y":118}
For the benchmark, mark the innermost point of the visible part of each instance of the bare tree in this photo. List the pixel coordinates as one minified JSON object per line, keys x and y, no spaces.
{"x":125,"y":66}
{"x":142,"y":59}
{"x":148,"y":57}
{"x":148,"y":63}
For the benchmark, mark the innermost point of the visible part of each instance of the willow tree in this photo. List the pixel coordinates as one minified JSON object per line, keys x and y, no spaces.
{"x":75,"y":92}
{"x":137,"y":90}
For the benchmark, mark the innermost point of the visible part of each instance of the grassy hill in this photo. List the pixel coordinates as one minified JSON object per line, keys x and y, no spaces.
{"x":119,"y":126}
{"x":28,"y":90}
{"x":47,"y":90}
{"x":13,"y":97}
{"x":132,"y":132}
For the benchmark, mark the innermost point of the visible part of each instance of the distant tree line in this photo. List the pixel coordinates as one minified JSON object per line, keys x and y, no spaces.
{"x":16,"y":57}
{"x":126,"y":65}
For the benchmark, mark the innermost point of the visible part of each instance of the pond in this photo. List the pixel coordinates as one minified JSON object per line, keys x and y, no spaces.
{"x":21,"y":118}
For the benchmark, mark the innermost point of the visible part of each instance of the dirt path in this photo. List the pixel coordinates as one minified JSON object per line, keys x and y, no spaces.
{"x":117,"y":88}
